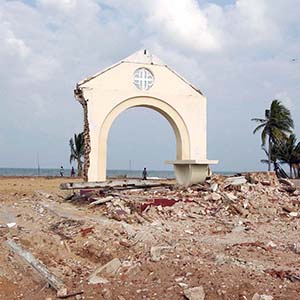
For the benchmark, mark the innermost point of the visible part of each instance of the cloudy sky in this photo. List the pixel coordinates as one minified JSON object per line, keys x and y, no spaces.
{"x":241,"y":54}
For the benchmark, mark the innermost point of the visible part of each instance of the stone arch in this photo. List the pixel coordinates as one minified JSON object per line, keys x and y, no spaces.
{"x":162,"y":107}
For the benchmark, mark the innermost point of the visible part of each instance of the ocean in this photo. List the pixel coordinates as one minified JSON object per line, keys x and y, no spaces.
{"x":67,"y":172}
{"x":110,"y":173}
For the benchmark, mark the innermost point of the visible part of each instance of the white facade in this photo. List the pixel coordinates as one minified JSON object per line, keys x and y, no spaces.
{"x":144,"y":80}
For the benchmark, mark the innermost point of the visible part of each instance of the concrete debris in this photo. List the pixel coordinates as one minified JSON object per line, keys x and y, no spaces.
{"x":229,"y":196}
{"x":94,"y":279}
{"x":293,"y":214}
{"x":261,"y":297}
{"x":214,"y":187}
{"x":234,"y":236}
{"x":234,"y":181}
{"x":11,"y":225}
{"x":296,"y":247}
{"x":156,"y":252}
{"x":215,"y":196}
{"x":271,"y":244}
{"x":100,"y":201}
{"x":110,"y":269}
{"x":43,"y":271}
{"x":195,"y":293}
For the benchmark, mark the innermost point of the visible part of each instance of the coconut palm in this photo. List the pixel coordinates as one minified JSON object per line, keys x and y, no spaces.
{"x":77,"y":150}
{"x":275,"y":126}
{"x":273,"y":156}
{"x":288,"y":152}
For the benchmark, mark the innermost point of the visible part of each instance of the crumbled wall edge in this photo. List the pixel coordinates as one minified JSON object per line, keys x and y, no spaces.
{"x":78,"y":94}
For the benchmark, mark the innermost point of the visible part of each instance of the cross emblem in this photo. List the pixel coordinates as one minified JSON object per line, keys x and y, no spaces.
{"x":143,"y":79}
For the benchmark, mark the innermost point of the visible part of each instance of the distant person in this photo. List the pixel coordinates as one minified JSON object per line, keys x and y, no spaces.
{"x":72,"y":172}
{"x":61,"y":172}
{"x":145,"y":174}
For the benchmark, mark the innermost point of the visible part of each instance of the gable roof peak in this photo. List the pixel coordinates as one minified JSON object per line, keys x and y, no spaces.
{"x":144,"y":56}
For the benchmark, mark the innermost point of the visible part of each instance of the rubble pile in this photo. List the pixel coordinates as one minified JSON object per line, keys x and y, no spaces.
{"x":252,"y":195}
{"x":231,"y":238}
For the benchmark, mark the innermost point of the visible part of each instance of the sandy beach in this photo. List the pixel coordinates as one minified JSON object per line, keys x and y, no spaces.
{"x":232,"y":250}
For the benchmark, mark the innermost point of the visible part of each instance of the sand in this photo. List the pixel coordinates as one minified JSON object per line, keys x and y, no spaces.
{"x":226,"y":253}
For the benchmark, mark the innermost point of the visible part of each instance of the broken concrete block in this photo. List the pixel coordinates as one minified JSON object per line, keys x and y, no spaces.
{"x":238,"y":228}
{"x":293,"y":214}
{"x":230,"y":196}
{"x":261,"y":297}
{"x":62,"y":292}
{"x":214,"y":187}
{"x":297,"y":248}
{"x":271,"y":244}
{"x":183,"y":285}
{"x":195,"y":293}
{"x":156,"y":252}
{"x":110,"y":269}
{"x":97,"y":280}
{"x":215,"y":196}
{"x":101,"y":200}
{"x":236,"y":180}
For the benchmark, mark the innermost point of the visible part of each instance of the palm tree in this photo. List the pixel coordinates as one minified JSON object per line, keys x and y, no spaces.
{"x":288,"y":152}
{"x":276,"y":125}
{"x":77,"y":150}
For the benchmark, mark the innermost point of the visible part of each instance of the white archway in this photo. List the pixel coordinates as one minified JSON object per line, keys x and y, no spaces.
{"x":173,"y":117}
{"x":143,"y":80}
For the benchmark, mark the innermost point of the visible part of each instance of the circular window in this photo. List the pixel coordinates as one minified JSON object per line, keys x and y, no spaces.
{"x":143,"y":79}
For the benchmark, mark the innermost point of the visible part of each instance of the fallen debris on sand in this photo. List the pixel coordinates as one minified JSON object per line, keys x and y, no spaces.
{"x":232,"y":238}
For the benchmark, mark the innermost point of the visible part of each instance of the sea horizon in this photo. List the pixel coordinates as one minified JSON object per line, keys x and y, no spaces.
{"x":53,"y":172}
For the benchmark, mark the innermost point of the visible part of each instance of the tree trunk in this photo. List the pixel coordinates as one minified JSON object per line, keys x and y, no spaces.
{"x":269,"y":154}
{"x":291,"y":171}
{"x":295,"y":170}
{"x":79,"y":167}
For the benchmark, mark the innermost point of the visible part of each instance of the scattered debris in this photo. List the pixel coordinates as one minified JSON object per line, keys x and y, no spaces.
{"x":128,"y":242}
{"x":85,"y":231}
{"x":261,"y":297}
{"x":235,"y":181}
{"x":100,"y":201}
{"x":110,"y":269}
{"x":115,"y":184}
{"x":195,"y":293}
{"x":53,"y":281}
{"x":156,"y":252}
{"x":281,"y":274}
{"x":297,"y":248}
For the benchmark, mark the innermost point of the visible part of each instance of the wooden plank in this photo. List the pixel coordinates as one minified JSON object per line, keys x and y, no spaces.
{"x":101,"y":200}
{"x":124,"y":184}
{"x":53,"y":281}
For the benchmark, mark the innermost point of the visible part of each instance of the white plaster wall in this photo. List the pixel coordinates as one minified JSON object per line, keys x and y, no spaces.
{"x":114,"y":86}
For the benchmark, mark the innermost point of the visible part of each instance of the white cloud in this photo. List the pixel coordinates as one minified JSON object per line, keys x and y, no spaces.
{"x":239,"y":55}
{"x":64,"y":5}
{"x":183,"y":23}
{"x":15,"y":45}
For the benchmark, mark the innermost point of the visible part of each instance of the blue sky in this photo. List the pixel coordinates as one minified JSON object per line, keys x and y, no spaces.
{"x":239,"y":53}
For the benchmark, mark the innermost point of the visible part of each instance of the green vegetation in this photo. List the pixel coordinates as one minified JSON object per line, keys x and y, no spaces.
{"x":77,"y":150}
{"x":277,"y":131}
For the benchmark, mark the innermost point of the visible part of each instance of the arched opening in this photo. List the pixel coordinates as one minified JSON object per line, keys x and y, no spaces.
{"x":173,"y":117}
{"x":140,"y":137}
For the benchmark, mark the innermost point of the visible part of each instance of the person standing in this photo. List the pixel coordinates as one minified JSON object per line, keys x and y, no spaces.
{"x":61,"y":172}
{"x":72,"y":172}
{"x":145,"y":174}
